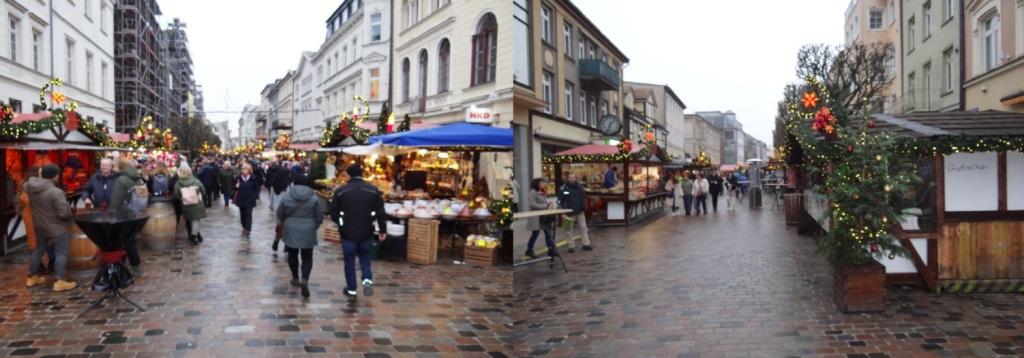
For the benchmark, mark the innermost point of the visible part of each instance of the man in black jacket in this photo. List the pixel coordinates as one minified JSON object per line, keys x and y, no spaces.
{"x":571,"y":196}
{"x":279,"y":185}
{"x":356,"y":207}
{"x":715,"y":186}
{"x":208,"y":176}
{"x":271,"y":174}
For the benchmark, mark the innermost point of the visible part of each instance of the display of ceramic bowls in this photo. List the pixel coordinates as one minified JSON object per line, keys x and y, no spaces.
{"x":403,"y":213}
{"x":482,"y":213}
{"x":408,"y":204}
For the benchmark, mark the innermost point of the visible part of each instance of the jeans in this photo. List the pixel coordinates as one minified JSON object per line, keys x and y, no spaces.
{"x":687,"y":202}
{"x":246,"y":215}
{"x":208,"y":198}
{"x":701,"y":203}
{"x":227,"y":199}
{"x":293,"y":262}
{"x":351,"y":250}
{"x":548,"y":239}
{"x":60,"y":247}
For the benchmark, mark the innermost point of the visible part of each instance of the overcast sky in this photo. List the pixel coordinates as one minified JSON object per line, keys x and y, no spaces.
{"x":239,"y":46}
{"x":716,"y":55}
{"x":721,"y":54}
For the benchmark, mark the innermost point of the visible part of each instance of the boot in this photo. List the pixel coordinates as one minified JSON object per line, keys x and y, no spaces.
{"x":274,"y":247}
{"x":530,"y":254}
{"x":61,"y":285}
{"x":35,"y":281}
{"x":305,"y":289}
{"x":200,"y":237}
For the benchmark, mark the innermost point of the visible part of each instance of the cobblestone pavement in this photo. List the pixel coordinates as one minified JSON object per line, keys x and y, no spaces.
{"x":736,"y":284}
{"x":230,"y":297}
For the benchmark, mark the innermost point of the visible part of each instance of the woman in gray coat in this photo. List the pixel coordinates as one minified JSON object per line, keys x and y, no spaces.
{"x":300,"y":213}
{"x":538,"y":200}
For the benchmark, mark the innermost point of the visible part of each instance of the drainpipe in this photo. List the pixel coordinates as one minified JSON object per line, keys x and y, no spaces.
{"x":51,"y":40}
{"x":391,"y":57}
{"x":963,"y":57}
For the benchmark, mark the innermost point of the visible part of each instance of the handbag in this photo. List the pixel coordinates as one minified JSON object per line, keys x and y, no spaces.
{"x":279,"y":228}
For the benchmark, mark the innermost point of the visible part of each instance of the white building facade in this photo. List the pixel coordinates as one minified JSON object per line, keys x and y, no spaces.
{"x":247,"y":125}
{"x":70,"y":40}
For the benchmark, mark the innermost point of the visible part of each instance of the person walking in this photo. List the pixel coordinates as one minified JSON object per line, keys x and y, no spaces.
{"x":300,"y":214}
{"x":356,"y":207}
{"x":730,"y":196}
{"x":700,"y":194}
{"x":279,"y":183}
{"x":538,"y":200}
{"x":161,"y":181}
{"x":269,"y":183}
{"x":190,"y":192}
{"x":209,"y":176}
{"x":51,"y":215}
{"x":226,"y":179}
{"x":715,"y":189}
{"x":571,"y":196}
{"x":675,"y":189}
{"x":130,"y":193}
{"x":101,"y":185}
{"x":247,"y":189}
{"x":686,"y":185}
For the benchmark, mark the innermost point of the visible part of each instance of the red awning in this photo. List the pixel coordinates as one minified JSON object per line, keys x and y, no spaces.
{"x":304,"y":146}
{"x":30,"y":117}
{"x":120,"y":137}
{"x":728,"y":168}
{"x":597,"y":149}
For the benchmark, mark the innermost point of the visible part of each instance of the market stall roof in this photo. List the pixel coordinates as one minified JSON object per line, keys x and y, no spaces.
{"x":375,"y":148}
{"x":450,"y":136}
{"x":417,"y":125}
{"x":30,"y":117}
{"x":120,"y":137}
{"x":304,"y":146}
{"x":930,"y":124}
{"x":597,"y":149}
{"x":38,"y":145}
{"x":728,"y":168}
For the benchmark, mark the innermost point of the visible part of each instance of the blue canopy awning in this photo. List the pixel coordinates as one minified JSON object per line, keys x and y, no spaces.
{"x":452,"y":135}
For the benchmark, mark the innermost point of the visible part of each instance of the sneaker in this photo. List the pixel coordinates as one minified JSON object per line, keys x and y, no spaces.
{"x":193,"y":240}
{"x":588,"y":248}
{"x":350,"y":294}
{"x":305,"y":289}
{"x":35,"y":281}
{"x":295,"y":282}
{"x":61,"y":285}
{"x":367,"y":287}
{"x":572,"y":250}
{"x":531,"y":255}
{"x":137,"y":270}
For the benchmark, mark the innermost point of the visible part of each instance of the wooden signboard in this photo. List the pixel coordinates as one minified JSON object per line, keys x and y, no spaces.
{"x":972,"y":181}
{"x":422,"y":244}
{"x":1015,"y":177}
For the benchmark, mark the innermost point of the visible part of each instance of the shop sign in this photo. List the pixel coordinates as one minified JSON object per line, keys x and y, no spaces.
{"x":479,"y":115}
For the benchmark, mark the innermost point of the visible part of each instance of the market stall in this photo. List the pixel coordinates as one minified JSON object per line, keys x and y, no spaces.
{"x":56,"y":135}
{"x":636,"y":193}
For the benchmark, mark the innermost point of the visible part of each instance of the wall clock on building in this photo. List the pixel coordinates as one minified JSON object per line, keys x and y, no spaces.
{"x":609,"y":125}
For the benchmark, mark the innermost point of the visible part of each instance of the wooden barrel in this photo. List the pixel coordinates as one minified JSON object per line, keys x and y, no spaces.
{"x":82,"y":253}
{"x":794,"y":206}
{"x":158,"y":234}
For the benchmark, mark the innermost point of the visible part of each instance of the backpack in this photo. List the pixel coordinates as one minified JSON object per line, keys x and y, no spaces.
{"x":159,"y":184}
{"x":190,"y":195}
{"x":139,"y":199}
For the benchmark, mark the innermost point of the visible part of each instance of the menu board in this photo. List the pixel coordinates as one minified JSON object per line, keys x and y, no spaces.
{"x":971,"y":182}
{"x":1014,"y":181}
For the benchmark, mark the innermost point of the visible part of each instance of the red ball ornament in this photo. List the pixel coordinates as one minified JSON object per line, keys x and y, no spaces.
{"x":849,"y":149}
{"x":874,"y":247}
{"x":871,"y":124}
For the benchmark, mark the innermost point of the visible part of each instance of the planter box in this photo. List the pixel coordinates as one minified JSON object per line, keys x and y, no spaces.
{"x":859,"y":288}
{"x":481,"y":256}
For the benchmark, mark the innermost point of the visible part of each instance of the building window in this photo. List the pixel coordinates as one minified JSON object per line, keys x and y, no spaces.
{"x":375,"y":27}
{"x":584,"y":116}
{"x":485,"y":50}
{"x":911,"y":34}
{"x":567,"y":39}
{"x":592,"y":108}
{"x":37,"y":48}
{"x":423,"y":73}
{"x":70,"y":53}
{"x":892,"y":11}
{"x":443,"y":65}
{"x":412,"y":12}
{"x":523,"y":71}
{"x":549,"y":95}
{"x":15,"y":25}
{"x":927,"y":11}
{"x":568,"y":100}
{"x":88,"y":71}
{"x":344,"y":56}
{"x":910,"y":90}
{"x":336,"y":63}
{"x":926,"y":74}
{"x":545,"y":23}
{"x":355,"y":49}
{"x":15,"y":105}
{"x":320,"y":74}
{"x":103,"y":17}
{"x":875,"y":19}
{"x":990,"y":41}
{"x":581,"y":48}
{"x":405,"y":80}
{"x":87,"y":5}
{"x":103,"y":79}
{"x":374,"y":83}
{"x":950,"y":9}
{"x":947,"y":65}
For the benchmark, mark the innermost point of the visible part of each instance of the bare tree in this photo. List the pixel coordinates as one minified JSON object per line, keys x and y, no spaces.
{"x":856,"y":76}
{"x":192,"y":132}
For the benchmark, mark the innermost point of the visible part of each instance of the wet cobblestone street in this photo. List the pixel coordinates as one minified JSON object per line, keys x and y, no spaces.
{"x":737,"y":284}
{"x":230,"y":297}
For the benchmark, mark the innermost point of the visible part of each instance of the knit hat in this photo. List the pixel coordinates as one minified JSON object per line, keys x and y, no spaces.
{"x":354,"y":170}
{"x":50,"y":171}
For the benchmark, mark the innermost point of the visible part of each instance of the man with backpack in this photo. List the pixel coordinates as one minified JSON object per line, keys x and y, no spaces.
{"x":130,"y":193}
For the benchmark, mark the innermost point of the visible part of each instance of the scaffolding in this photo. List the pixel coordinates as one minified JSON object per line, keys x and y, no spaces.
{"x":138,"y":71}
{"x":184,"y":98}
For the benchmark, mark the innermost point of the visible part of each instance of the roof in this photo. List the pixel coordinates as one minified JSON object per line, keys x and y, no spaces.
{"x":667,"y":88}
{"x":596,"y":31}
{"x":596,"y":149}
{"x":930,"y":124}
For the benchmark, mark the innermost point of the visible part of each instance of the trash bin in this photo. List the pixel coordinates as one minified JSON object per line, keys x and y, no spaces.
{"x":755,"y":197}
{"x":375,"y":249}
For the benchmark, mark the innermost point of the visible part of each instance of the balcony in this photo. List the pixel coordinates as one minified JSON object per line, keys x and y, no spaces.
{"x":281,"y":124}
{"x":595,"y":75}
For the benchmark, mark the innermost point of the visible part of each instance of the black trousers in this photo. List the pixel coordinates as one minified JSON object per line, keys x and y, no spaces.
{"x":293,"y":262}
{"x":208,"y":199}
{"x":132,"y":248}
{"x":714,"y":202}
{"x":246,"y":214}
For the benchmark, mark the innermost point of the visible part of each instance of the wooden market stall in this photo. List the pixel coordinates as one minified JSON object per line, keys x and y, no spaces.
{"x":638,"y":192}
{"x":964,"y":224}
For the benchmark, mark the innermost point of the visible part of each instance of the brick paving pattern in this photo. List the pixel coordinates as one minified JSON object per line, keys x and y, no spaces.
{"x":737,"y":284}
{"x":230,"y":297}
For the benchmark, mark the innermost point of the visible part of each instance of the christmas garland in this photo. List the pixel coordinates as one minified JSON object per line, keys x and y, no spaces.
{"x":59,"y":116}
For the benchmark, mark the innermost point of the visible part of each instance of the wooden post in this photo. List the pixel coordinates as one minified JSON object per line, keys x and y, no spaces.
{"x":1001,"y":164}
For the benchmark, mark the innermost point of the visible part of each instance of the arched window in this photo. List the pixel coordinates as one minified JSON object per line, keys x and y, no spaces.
{"x":485,"y":49}
{"x":443,"y":60}
{"x":405,"y":80}
{"x":423,"y":78}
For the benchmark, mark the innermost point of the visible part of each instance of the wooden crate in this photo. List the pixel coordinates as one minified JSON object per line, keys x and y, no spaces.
{"x":329,"y":231}
{"x":421,"y":247}
{"x":481,"y":256}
